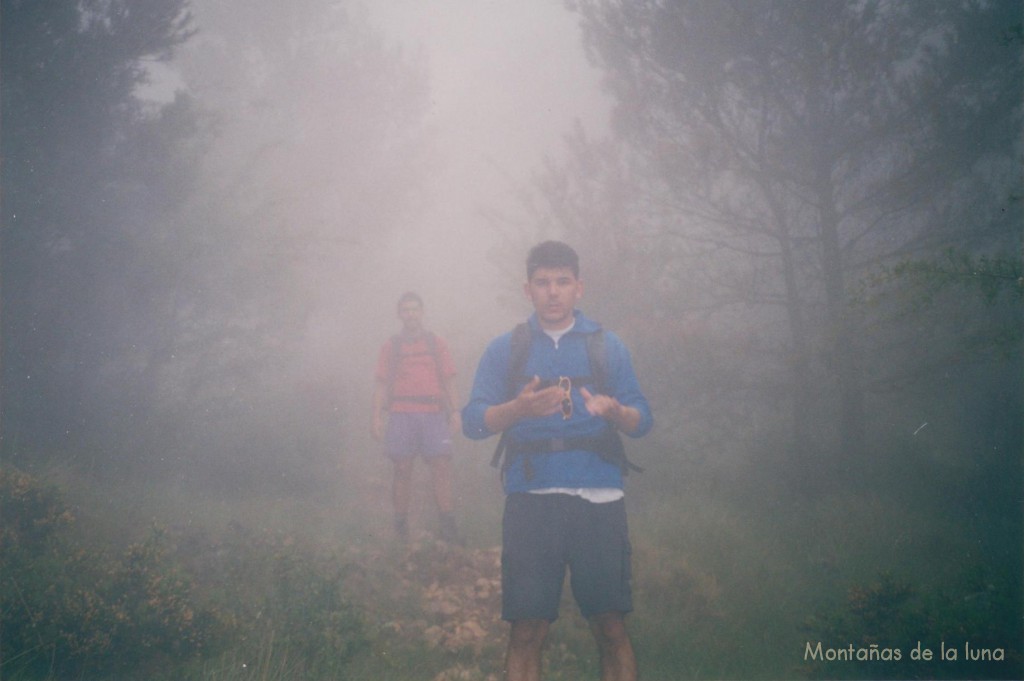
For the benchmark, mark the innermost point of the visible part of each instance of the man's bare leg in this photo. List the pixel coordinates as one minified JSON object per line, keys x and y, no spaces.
{"x":618,"y":663}
{"x":401,"y":491}
{"x":441,"y":476}
{"x":525,"y":645}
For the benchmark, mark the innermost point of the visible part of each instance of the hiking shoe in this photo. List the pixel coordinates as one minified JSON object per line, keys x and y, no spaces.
{"x":448,"y":532}
{"x":402,"y":528}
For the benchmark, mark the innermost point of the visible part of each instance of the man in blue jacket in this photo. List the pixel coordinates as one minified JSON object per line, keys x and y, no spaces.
{"x":560,"y":417}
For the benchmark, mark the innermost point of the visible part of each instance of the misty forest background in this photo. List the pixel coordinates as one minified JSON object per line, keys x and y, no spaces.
{"x":804,"y":219}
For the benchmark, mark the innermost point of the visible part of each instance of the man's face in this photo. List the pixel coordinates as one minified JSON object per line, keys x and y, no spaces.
{"x":411,"y":314}
{"x":554,"y":292}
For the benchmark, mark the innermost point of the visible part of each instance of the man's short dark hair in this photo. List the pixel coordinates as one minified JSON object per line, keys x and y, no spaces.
{"x":552,"y":254}
{"x":409,"y":296}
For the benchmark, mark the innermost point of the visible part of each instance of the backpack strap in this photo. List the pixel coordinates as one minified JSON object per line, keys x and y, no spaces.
{"x":435,"y":353}
{"x":598,"y":357}
{"x":610,"y":447}
{"x":519,"y":352}
{"x":397,"y":341}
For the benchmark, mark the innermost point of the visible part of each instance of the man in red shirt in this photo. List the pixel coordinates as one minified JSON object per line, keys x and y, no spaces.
{"x":415,"y":411}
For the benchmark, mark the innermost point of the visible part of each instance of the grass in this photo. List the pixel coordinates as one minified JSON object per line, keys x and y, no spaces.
{"x":733,"y":575}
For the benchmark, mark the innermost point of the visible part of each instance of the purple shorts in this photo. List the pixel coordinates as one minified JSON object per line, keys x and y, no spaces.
{"x":422,"y":433}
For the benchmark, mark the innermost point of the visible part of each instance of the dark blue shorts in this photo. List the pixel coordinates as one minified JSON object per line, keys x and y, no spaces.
{"x":542,"y":535}
{"x":422,"y":433}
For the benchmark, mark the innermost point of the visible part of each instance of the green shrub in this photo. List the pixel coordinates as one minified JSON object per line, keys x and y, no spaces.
{"x":37,"y":593}
{"x":69,"y":611}
{"x":151,"y":602}
{"x":889,"y":613}
{"x":167,"y":603}
{"x":313,"y":617}
{"x":282,"y":603}
{"x":30,"y":513}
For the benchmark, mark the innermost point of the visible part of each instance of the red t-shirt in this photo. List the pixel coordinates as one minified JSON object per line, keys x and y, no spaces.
{"x":416,"y":375}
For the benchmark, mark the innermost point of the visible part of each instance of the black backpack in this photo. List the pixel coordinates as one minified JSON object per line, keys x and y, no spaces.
{"x":608,"y":445}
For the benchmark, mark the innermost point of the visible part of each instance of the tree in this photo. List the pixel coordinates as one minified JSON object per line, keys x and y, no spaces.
{"x":316,"y":153}
{"x":70,"y":121}
{"x":775,"y":152}
{"x":162,"y":261}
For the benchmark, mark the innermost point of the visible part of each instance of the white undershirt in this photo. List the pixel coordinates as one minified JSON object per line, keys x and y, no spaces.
{"x":557,"y":335}
{"x":596,"y":495}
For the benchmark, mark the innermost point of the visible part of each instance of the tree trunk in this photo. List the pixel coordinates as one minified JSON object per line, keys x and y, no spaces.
{"x":845,"y":361}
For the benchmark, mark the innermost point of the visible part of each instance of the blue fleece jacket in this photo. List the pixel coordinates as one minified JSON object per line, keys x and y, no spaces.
{"x":574,"y":468}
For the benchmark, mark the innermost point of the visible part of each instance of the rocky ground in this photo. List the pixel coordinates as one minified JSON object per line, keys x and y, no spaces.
{"x":443,"y":596}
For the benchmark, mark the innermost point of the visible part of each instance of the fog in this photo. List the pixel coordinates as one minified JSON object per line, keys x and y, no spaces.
{"x":804,"y":220}
{"x":500,"y":88}
{"x":505,"y":84}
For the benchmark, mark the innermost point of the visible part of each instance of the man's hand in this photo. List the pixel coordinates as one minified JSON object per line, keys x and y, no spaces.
{"x":529,"y":403}
{"x":605,"y":406}
{"x":455,"y":422}
{"x":533,"y":403}
{"x":625,"y":418}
